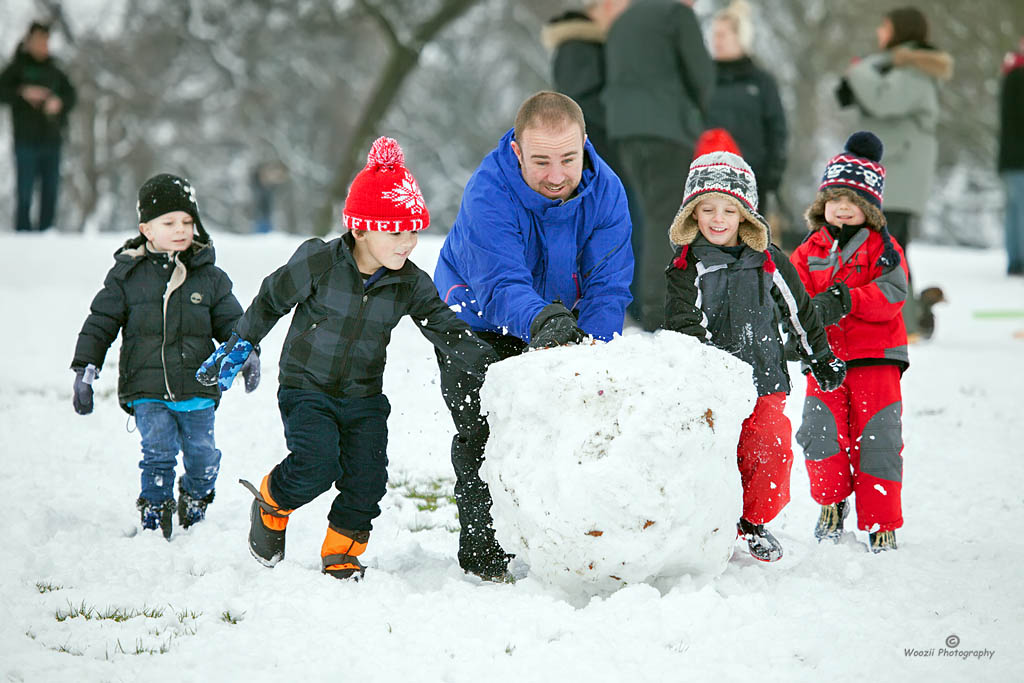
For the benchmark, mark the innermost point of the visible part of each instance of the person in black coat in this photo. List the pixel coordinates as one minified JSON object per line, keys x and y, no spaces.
{"x":659,"y":78}
{"x":40,"y":96}
{"x":746,"y":100}
{"x":168,"y":300}
{"x":1011,"y":155}
{"x":576,"y":41}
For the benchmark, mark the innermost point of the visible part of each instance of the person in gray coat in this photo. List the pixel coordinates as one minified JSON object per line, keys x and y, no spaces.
{"x":658,"y":82}
{"x":897,"y":93}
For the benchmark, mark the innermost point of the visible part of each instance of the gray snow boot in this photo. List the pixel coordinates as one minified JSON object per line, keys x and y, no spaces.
{"x":830,"y":521}
{"x":882,"y":541}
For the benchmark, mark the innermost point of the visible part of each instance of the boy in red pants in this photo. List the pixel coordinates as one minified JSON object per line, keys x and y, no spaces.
{"x":857,"y":276}
{"x":730,"y":287}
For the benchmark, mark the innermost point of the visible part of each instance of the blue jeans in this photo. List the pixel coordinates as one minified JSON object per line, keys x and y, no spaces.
{"x":165,"y":432}
{"x":43,"y":161}
{"x":340,"y":441}
{"x":1014,"y":181}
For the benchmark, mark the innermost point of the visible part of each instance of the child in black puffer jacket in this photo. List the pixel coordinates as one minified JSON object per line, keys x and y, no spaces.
{"x":168,"y":301}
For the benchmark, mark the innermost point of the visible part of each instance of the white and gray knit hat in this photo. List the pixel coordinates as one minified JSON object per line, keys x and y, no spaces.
{"x":726,"y":174}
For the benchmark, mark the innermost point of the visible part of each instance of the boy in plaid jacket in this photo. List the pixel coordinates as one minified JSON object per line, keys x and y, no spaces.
{"x":348,"y":295}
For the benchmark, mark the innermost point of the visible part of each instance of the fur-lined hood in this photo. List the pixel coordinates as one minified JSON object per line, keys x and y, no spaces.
{"x":935,"y":63}
{"x":753,"y":230}
{"x":815,"y":214}
{"x":571,"y":26}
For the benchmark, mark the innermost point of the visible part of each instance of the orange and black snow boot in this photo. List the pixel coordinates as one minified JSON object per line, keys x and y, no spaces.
{"x":340,"y":553}
{"x":267,"y":524}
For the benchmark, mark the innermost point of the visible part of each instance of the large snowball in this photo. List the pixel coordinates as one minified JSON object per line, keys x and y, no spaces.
{"x":615,"y":463}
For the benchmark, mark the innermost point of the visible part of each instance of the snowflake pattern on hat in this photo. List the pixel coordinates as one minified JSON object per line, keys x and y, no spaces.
{"x":406,"y":195}
{"x":720,"y":177}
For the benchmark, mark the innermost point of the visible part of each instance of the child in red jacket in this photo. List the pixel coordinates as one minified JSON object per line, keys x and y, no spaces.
{"x":857,"y":275}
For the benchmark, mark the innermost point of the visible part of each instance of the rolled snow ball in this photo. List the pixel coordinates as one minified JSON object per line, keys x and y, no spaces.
{"x":615,"y":464}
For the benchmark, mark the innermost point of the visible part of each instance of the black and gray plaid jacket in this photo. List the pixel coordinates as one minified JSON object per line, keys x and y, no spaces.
{"x":337,"y":342}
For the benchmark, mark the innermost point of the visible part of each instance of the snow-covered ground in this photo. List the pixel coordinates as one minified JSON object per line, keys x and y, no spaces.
{"x":200,"y":608}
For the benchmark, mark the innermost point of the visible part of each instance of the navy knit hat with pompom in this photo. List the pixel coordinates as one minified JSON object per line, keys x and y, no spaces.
{"x":858,"y":167}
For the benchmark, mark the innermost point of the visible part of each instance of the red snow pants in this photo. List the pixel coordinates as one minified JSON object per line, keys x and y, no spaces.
{"x":853,"y":443}
{"x":765,"y":457}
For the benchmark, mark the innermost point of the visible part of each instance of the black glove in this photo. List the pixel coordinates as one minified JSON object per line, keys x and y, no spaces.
{"x":251,"y":372}
{"x":829,"y":371}
{"x":832,"y":304}
{"x":81,"y":397}
{"x":554,"y":326}
{"x":844,"y":94}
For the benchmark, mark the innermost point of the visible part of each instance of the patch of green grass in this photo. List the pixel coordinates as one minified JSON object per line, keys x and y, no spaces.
{"x":187,"y":614}
{"x":116,"y":614}
{"x":230,"y":618}
{"x":67,"y":649}
{"x":430,"y":494}
{"x":47,"y":587}
{"x":140,"y":648}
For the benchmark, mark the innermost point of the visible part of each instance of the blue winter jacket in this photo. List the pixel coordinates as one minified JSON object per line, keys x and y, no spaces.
{"x":512,"y":251}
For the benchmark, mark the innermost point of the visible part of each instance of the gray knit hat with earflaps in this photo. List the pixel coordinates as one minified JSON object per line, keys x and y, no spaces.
{"x":728,"y":175}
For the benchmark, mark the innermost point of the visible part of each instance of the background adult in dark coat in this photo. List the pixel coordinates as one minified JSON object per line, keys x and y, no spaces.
{"x":658,"y":82}
{"x":1011,"y":155}
{"x":746,"y":100}
{"x":40,"y":96}
{"x":576,"y":41}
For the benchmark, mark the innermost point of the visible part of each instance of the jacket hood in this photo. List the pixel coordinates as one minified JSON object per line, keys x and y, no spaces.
{"x":734,"y":68}
{"x":571,"y":26}
{"x":134,"y":250}
{"x":934,"y":63}
{"x":815,"y":214}
{"x":507,"y":163}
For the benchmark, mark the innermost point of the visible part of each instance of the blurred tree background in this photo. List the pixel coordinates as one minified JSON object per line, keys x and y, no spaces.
{"x":212,"y":89}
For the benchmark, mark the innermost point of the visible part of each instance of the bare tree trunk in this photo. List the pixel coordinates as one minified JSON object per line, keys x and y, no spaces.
{"x":402,"y":61}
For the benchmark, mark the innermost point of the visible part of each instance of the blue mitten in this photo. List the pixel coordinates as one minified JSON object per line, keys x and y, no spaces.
{"x":221,"y":367}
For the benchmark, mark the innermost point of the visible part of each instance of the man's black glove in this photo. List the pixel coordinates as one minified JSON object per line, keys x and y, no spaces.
{"x":554,"y":326}
{"x":81,"y":397}
{"x":833,"y":303}
{"x":829,"y":371}
{"x":251,"y":372}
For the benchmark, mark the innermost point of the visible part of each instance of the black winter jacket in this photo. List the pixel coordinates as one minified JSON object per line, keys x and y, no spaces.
{"x":337,"y":341}
{"x":31,"y":125}
{"x":746,"y":103}
{"x":658,"y":74}
{"x":168,"y":308}
{"x":737,"y":305}
{"x":1011,"y":120}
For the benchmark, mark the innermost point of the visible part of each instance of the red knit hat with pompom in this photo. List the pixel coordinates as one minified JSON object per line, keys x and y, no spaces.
{"x":384,"y":196}
{"x":715,"y":140}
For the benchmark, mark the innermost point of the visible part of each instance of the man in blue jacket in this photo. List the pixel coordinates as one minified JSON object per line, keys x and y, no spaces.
{"x":539,"y":256}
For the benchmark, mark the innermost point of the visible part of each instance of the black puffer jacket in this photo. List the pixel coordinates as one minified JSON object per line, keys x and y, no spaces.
{"x":168,"y":309}
{"x":30,"y":123}
{"x":738,"y":305}
{"x":337,"y":341}
{"x":746,"y":103}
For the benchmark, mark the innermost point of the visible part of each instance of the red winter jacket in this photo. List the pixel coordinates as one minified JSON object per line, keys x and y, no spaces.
{"x":873,"y":329}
